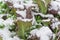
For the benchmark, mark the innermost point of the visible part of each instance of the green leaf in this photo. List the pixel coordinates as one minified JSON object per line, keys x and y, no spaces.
{"x":12,"y":27}
{"x":12,"y":11}
{"x":1,"y":26}
{"x":1,"y":38}
{"x":22,"y":28}
{"x":42,"y":7}
{"x":38,"y":18}
{"x":56,"y":38}
{"x":46,"y":23}
{"x":3,"y":8}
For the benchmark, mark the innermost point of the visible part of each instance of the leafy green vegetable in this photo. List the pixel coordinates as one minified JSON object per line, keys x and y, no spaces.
{"x":46,"y":23}
{"x":38,"y":18}
{"x":12,"y":27}
{"x":56,"y":38}
{"x":3,"y":8}
{"x":56,"y":31}
{"x":22,"y":28}
{"x":12,"y":11}
{"x":1,"y":26}
{"x":42,"y":6}
{"x":1,"y":38}
{"x":57,"y":16}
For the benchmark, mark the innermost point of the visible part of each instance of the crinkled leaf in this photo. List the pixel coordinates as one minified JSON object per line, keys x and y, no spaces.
{"x":1,"y":38}
{"x":22,"y":28}
{"x":42,"y":6}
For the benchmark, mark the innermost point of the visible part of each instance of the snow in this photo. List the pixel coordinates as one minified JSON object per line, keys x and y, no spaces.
{"x":33,"y":20}
{"x":16,"y":5}
{"x":54,"y":5}
{"x":1,"y":0}
{"x":59,"y":13}
{"x":44,"y":33}
{"x":25,"y":20}
{"x":53,"y":20}
{"x":55,"y":25}
{"x":8,"y":22}
{"x":46,"y":20}
{"x":1,"y":20}
{"x":58,"y":0}
{"x":22,"y":13}
{"x":58,"y":34}
{"x":1,"y":15}
{"x":47,"y":15}
{"x":6,"y":34}
{"x":16,"y":38}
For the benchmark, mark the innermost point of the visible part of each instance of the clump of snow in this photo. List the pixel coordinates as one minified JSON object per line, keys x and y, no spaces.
{"x":47,"y":15}
{"x":57,"y":0}
{"x":25,"y":20}
{"x":8,"y":22}
{"x":55,"y":25}
{"x":59,"y":13}
{"x":22,"y":13}
{"x":46,"y":20}
{"x":16,"y":38}
{"x":53,"y":20}
{"x":6,"y":34}
{"x":1,"y":22}
{"x":1,"y":0}
{"x":44,"y":33}
{"x":55,"y":5}
{"x":18,"y":6}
